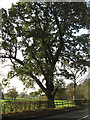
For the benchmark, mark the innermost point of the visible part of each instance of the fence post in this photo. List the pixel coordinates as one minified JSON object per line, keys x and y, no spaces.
{"x":4,"y":108}
{"x":62,"y":104}
{"x":68,"y":103}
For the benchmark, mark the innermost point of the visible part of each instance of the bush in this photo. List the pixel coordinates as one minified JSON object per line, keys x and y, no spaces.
{"x":20,"y":106}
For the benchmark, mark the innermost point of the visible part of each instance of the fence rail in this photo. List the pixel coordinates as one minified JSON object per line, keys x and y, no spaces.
{"x":64,"y":104}
{"x":20,"y":106}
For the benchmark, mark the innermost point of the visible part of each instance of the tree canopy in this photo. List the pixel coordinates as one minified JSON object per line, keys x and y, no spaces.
{"x":12,"y":93}
{"x":44,"y":34}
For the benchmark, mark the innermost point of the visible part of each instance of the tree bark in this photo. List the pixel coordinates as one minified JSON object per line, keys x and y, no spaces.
{"x":51,"y":103}
{"x":74,"y":91}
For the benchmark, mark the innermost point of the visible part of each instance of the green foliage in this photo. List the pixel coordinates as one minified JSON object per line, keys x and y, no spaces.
{"x":12,"y":106}
{"x":12,"y":93}
{"x":23,"y":95}
{"x":61,"y":89}
{"x":1,"y":87}
{"x":34,"y":93}
{"x":22,"y":105}
{"x":82,"y":90}
{"x":69,"y":91}
{"x":44,"y":35}
{"x":1,"y":92}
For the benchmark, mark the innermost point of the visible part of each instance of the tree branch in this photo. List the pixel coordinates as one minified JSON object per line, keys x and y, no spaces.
{"x":55,"y":91}
{"x":38,"y":82}
{"x":11,"y":57}
{"x":39,"y":63}
{"x":60,"y":46}
{"x":50,"y":56}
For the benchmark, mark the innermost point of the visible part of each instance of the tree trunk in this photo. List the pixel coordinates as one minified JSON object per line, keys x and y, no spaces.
{"x":2,"y":95}
{"x":51,"y":103}
{"x":74,"y":91}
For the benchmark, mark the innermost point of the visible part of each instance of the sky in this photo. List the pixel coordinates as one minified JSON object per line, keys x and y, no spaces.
{"x":7,"y":3}
{"x":4,"y":68}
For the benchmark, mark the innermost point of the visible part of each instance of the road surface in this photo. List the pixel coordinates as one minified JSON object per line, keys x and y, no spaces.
{"x":83,"y":114}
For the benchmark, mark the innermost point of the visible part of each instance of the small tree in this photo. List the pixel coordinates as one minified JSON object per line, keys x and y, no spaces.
{"x":23,"y":95}
{"x":1,"y":92}
{"x":82,"y":90}
{"x":73,"y":72}
{"x":12,"y":93}
{"x":60,"y":84}
{"x":69,"y":91}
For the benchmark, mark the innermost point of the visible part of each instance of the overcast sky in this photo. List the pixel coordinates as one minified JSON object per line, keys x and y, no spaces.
{"x":7,"y":3}
{"x":3,"y":70}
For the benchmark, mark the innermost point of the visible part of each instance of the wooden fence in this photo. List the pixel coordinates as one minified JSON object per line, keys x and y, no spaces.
{"x":65,"y":103}
{"x":20,"y":106}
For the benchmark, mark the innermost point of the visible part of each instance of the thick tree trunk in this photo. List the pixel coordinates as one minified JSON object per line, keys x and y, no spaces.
{"x":49,"y":89}
{"x":51,"y":103}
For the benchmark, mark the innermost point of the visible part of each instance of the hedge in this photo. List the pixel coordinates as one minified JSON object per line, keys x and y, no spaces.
{"x":20,"y":106}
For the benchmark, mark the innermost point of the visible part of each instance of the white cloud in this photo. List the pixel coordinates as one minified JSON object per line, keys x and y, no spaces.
{"x":7,"y":3}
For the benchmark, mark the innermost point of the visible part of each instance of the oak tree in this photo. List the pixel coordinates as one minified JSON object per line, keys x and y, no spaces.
{"x":38,"y":38}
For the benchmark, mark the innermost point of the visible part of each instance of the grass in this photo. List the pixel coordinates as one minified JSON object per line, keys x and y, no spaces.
{"x":64,"y":103}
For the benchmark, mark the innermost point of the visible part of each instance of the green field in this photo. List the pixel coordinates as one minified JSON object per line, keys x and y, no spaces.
{"x":64,"y":103}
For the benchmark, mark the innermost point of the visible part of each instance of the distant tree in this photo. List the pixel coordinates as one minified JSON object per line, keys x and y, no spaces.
{"x":34,"y":94}
{"x":12,"y":93}
{"x":69,"y":91}
{"x":45,"y":35}
{"x":73,"y":72}
{"x":82,"y":90}
{"x":61,"y":89}
{"x":1,"y":92}
{"x":23,"y":95}
{"x":0,"y":87}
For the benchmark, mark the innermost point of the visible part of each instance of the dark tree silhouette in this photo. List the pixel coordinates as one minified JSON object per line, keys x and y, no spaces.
{"x":44,"y":35}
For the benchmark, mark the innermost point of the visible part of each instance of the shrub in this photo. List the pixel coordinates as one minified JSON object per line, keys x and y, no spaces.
{"x":20,"y":106}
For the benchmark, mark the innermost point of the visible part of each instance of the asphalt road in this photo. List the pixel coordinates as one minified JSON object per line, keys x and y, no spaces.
{"x":83,"y":114}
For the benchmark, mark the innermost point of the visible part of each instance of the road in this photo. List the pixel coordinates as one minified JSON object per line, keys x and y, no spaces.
{"x":83,"y":114}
